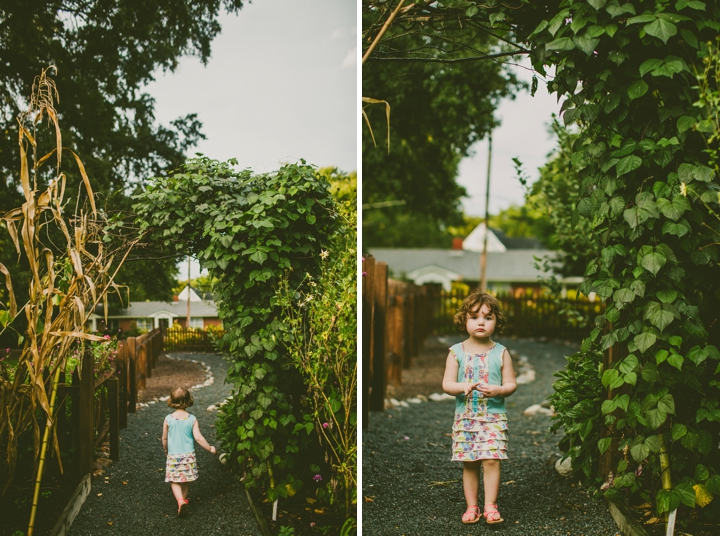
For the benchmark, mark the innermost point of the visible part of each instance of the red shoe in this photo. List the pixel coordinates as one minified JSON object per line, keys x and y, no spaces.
{"x":183,"y":507}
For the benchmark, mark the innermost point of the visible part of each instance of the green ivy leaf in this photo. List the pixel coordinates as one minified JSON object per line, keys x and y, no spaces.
{"x":676,"y":360}
{"x":643,"y":341}
{"x":675,"y":208}
{"x":649,"y":65}
{"x":586,"y":43}
{"x":609,"y":376}
{"x":604,"y":444}
{"x":661,"y":28}
{"x":686,"y":494}
{"x":616,"y":10}
{"x":640,"y":451}
{"x":655,"y":418}
{"x":652,"y":262}
{"x":713,"y":484}
{"x":660,"y":315}
{"x":628,"y":164}
{"x":701,"y":473}
{"x":645,"y":17}
{"x":677,"y":229}
{"x":678,"y":430}
{"x":667,"y":404}
{"x":637,"y":89}
{"x":629,"y":364}
{"x":560,"y":44}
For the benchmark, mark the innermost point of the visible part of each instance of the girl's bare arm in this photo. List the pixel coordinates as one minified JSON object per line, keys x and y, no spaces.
{"x":200,"y":439}
{"x":164,"y":436}
{"x":450,"y":384}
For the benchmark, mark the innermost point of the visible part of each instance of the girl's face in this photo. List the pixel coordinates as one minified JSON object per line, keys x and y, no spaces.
{"x":480,"y":322}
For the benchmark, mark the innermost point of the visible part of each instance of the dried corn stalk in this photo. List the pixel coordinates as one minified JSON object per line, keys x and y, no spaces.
{"x":68,"y":279}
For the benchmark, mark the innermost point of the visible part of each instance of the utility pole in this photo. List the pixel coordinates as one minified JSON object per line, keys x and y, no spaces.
{"x":483,"y":254}
{"x":187,"y":320}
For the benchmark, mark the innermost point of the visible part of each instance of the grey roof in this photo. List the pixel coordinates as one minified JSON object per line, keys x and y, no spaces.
{"x":512,"y":266}
{"x":517,"y":243}
{"x":149,"y":308}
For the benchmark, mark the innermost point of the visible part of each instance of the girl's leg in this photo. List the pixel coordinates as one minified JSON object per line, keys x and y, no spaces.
{"x":491,"y":480}
{"x":471,"y":482}
{"x":177,"y":490}
{"x":185,"y":487}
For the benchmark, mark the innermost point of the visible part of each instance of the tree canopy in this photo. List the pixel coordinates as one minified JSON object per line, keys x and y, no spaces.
{"x":105,"y":53}
{"x":438,"y":111}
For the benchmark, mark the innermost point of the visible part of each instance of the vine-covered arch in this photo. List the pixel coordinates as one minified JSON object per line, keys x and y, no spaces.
{"x":251,"y":232}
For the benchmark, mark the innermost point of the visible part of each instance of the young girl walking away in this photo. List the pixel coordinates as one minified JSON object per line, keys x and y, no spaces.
{"x":179,"y":429}
{"x":480,"y":374}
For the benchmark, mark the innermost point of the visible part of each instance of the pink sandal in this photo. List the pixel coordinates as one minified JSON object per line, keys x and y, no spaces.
{"x":471,"y":515}
{"x":492,"y":515}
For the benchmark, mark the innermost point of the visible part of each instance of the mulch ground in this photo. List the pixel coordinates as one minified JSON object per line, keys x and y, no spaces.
{"x":171,"y":373}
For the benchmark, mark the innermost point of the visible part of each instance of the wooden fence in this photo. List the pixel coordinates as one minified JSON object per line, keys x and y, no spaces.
{"x":396,"y":318}
{"x":526,"y":315}
{"x":99,"y":406}
{"x":194,"y":340}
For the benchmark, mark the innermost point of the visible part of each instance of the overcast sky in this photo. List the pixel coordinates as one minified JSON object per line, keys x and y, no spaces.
{"x":281,"y":85}
{"x":524,"y":134}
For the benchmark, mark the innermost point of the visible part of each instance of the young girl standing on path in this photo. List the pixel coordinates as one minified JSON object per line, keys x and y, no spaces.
{"x":479,"y":373}
{"x":179,"y":429}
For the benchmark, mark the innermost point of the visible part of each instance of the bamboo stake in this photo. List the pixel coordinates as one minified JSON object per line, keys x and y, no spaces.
{"x":381,"y":32}
{"x":272,"y":486}
{"x":665,"y":470}
{"x":41,"y":465}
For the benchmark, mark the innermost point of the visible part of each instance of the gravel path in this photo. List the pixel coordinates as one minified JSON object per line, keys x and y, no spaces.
{"x":410,"y":486}
{"x":135,"y":499}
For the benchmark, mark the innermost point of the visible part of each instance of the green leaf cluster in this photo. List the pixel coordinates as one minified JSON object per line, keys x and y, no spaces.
{"x":638,"y":79}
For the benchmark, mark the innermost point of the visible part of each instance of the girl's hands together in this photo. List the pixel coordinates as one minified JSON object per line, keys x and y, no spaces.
{"x":488,"y":390}
{"x":470,"y":387}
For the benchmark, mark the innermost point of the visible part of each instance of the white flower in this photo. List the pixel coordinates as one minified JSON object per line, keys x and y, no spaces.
{"x":324,"y":254}
{"x":683,"y":189}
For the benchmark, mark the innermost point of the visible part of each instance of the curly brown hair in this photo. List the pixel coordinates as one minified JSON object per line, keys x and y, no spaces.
{"x":180,"y":398}
{"x":474,"y":302}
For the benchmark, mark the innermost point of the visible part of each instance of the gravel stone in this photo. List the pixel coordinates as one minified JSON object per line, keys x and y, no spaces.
{"x":410,"y":486}
{"x":135,"y":499}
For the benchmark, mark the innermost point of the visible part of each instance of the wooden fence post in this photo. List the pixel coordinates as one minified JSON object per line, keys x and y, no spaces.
{"x":405,"y":330}
{"x":113,"y":402}
{"x":122,"y":371}
{"x":132,"y":374}
{"x":86,"y":447}
{"x":367,"y":316}
{"x":608,"y":460}
{"x":378,"y":374}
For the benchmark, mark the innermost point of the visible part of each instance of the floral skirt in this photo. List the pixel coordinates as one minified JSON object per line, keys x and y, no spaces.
{"x":181,"y":467}
{"x":482,"y":437}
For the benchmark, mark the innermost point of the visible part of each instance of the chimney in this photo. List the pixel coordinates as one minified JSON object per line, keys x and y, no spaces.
{"x":457,"y":243}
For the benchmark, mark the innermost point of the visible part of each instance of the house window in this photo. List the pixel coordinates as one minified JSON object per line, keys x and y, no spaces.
{"x":196,"y":322}
{"x":144,"y":324}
